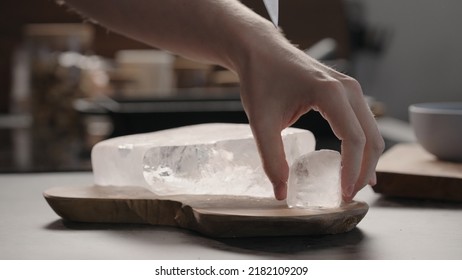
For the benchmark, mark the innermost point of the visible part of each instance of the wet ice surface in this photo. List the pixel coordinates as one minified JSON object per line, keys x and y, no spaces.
{"x":314,"y":181}
{"x":200,"y":159}
{"x":229,"y":167}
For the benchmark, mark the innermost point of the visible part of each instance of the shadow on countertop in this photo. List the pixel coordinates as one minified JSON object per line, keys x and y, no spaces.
{"x":339,"y":246}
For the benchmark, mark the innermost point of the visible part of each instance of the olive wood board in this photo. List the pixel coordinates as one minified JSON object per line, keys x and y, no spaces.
{"x":408,"y":171}
{"x":214,"y":216}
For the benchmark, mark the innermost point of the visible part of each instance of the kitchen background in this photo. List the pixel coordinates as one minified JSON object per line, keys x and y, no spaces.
{"x":66,"y":84}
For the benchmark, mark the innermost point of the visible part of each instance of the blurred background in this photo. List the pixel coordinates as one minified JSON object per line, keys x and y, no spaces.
{"x":66,"y":84}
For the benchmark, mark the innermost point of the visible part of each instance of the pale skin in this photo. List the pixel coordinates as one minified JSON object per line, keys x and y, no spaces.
{"x":279,"y":83}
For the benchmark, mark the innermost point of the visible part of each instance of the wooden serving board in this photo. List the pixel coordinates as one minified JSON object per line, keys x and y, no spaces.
{"x":407,"y":170}
{"x":215,"y":216}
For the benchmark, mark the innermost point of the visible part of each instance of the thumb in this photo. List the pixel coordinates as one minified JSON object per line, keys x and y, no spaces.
{"x":271,"y":149}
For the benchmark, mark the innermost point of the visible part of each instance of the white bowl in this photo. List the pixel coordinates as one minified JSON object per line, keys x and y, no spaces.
{"x":438,"y":128}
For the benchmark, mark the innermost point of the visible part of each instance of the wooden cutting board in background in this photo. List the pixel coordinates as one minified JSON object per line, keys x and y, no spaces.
{"x":407,"y":170}
{"x":216,"y":216}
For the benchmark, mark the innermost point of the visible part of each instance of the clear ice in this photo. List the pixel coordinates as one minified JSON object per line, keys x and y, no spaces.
{"x":314,"y":181}
{"x":200,"y":159}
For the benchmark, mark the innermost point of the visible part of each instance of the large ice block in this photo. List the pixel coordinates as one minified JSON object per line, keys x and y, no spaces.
{"x":199,"y":159}
{"x":314,"y":180}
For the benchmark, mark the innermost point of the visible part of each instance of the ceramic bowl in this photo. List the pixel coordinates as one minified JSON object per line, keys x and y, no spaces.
{"x":438,"y":128}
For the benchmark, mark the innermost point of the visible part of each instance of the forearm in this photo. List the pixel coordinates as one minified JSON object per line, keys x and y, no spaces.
{"x":216,"y":31}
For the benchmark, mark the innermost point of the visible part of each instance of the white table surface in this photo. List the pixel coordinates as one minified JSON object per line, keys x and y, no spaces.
{"x":392,"y":229}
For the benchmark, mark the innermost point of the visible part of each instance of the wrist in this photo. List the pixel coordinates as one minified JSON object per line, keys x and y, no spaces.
{"x":249,"y":37}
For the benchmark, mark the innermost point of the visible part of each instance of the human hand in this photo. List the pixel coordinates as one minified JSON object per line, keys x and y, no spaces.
{"x":279,"y":84}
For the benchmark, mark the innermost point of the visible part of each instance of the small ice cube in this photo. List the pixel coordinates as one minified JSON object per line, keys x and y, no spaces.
{"x":314,"y":180}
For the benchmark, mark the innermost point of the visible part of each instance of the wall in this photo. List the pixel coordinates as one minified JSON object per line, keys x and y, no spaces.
{"x":423,"y":61}
{"x":15,"y":14}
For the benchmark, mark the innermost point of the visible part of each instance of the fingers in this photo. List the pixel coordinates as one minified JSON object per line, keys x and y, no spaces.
{"x":335,"y":107}
{"x":374,"y":145}
{"x":342,"y":103}
{"x":340,"y":100}
{"x":269,"y":141}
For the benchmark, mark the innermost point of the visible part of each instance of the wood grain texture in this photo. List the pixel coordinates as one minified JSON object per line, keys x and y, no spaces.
{"x":215,"y":216}
{"x":407,"y":170}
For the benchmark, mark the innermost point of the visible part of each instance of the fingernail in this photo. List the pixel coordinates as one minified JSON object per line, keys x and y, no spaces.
{"x":280,"y":191}
{"x":347,"y":193}
{"x":373,"y":180}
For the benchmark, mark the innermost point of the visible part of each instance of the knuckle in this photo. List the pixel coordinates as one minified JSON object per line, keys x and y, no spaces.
{"x":352,"y":84}
{"x":327,"y":84}
{"x":376,"y":147}
{"x":353,"y":87}
{"x":333,"y":86}
{"x":345,"y":85}
{"x":330,"y":89}
{"x":357,"y":140}
{"x":379,"y":146}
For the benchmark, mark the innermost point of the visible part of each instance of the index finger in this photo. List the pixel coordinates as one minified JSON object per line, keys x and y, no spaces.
{"x":271,"y":148}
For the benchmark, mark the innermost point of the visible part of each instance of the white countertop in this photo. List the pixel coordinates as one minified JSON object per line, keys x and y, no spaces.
{"x":393,"y":229}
